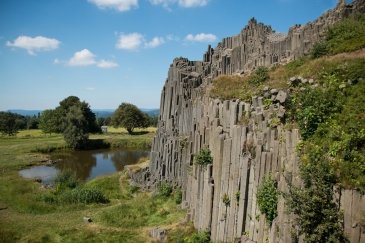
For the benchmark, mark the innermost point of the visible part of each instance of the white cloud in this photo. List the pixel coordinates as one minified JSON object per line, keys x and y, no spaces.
{"x":106,"y":64}
{"x":181,"y":3}
{"x":202,"y":37}
{"x":135,"y":41}
{"x":82,"y":58}
{"x":193,"y":3}
{"x":155,"y":42}
{"x":90,"y":88}
{"x":34,"y":44}
{"x":119,"y":5}
{"x":86,"y":58}
{"x":130,"y":41}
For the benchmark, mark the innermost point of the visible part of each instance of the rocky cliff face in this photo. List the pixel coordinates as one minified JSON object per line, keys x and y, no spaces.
{"x":245,"y":142}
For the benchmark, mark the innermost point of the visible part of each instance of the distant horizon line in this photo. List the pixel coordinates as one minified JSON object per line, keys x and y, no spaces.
{"x":96,"y":109}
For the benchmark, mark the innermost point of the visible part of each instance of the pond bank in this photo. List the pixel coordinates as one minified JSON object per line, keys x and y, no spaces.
{"x":25,"y":215}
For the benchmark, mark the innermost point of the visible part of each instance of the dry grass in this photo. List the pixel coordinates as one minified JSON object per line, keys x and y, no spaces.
{"x":239,"y":87}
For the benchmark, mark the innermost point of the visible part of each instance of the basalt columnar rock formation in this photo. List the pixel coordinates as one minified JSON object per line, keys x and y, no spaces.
{"x":245,"y":138}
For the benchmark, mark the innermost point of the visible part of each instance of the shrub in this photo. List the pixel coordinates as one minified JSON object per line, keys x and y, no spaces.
{"x":317,"y":214}
{"x":198,"y":237}
{"x":267,"y":198}
{"x":164,"y":189}
{"x":84,"y":195}
{"x":319,"y":49}
{"x":313,"y":107}
{"x":178,"y":234}
{"x":260,"y":76}
{"x":203,"y":157}
{"x":178,"y":196}
{"x":347,"y":35}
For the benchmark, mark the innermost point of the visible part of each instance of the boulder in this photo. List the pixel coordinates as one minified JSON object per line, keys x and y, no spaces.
{"x":274,"y":91}
{"x":282,"y":96}
{"x":87,"y":220}
{"x":294,"y":81}
{"x":158,"y":234}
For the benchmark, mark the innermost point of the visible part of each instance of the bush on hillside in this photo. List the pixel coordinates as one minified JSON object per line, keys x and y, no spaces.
{"x":267,"y":198}
{"x":165,"y":189}
{"x":203,"y":157}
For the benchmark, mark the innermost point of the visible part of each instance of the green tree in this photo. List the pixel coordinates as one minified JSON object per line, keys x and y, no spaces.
{"x":64,"y":108}
{"x":32,"y":122}
{"x":153,"y":120}
{"x":73,"y":118}
{"x":49,"y":122}
{"x":10,"y":123}
{"x":76,"y":131}
{"x":129,"y":117}
{"x":317,"y":213}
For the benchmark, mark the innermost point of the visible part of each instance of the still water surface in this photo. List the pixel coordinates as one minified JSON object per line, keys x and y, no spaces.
{"x":85,"y":164}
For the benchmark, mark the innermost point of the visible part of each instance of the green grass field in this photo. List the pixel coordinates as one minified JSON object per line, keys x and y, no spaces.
{"x":26,"y":217}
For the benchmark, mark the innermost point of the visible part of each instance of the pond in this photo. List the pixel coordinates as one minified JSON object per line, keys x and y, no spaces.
{"x":85,"y":164}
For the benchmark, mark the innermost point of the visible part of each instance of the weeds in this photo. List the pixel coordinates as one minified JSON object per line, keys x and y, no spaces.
{"x":204,"y":157}
{"x":267,"y":198}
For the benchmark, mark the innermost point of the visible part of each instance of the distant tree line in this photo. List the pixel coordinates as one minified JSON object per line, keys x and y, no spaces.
{"x":10,"y":123}
{"x":75,"y":120}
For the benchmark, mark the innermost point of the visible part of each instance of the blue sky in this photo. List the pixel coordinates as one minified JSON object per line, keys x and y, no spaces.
{"x":112,"y":51}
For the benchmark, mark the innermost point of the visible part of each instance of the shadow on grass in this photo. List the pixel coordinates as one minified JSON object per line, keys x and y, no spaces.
{"x":96,"y":144}
{"x":138,"y":133}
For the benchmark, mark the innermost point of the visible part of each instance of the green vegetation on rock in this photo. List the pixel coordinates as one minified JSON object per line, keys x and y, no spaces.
{"x":345,"y":36}
{"x":198,"y":237}
{"x":260,"y":75}
{"x":318,"y":215}
{"x":165,"y":189}
{"x":203,"y":157}
{"x":267,"y":198}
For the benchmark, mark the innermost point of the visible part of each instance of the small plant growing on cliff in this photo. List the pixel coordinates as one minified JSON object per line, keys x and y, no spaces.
{"x":226,"y":200}
{"x":274,"y":122}
{"x":238,"y":195}
{"x":267,"y":198}
{"x":183,"y":143}
{"x":203,"y":157}
{"x":164,"y":189}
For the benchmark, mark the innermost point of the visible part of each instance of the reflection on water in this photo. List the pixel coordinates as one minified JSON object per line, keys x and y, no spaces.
{"x":86,"y":164}
{"x":89,"y":164}
{"x":45,"y":173}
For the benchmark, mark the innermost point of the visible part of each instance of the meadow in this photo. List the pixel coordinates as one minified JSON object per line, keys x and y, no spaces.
{"x":28,"y":215}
